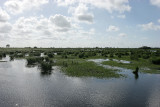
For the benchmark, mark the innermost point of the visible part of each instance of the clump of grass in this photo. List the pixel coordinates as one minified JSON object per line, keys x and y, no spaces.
{"x":2,"y":55}
{"x":50,"y":55}
{"x":11,"y":57}
{"x":156,"y":61}
{"x":33,"y":60}
{"x":35,"y":54}
{"x":19,"y":55}
{"x":47,"y":59}
{"x":46,"y":67}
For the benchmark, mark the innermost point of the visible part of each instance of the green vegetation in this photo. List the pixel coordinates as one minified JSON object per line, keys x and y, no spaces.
{"x":46,"y":67}
{"x":156,"y":61}
{"x":73,"y":61}
{"x":33,"y":60}
{"x":81,"y":67}
{"x":143,"y":64}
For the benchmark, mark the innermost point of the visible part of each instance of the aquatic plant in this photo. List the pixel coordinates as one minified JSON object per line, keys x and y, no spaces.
{"x":19,"y":55}
{"x":145,"y":56}
{"x":11,"y":57}
{"x":50,"y":55}
{"x":32,"y":60}
{"x":156,"y":61}
{"x":46,"y":67}
{"x":1,"y":55}
{"x":134,"y":57}
{"x":81,"y":55}
{"x":111,"y":55}
{"x":46,"y":59}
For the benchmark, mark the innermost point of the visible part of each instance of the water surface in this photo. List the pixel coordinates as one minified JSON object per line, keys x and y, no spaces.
{"x":27,"y":87}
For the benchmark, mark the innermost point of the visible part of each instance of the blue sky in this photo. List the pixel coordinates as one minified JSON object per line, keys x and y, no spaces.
{"x":80,"y":23}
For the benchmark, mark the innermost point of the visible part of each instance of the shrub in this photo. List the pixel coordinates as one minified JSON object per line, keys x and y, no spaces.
{"x":4,"y":54}
{"x":111,"y":55}
{"x":81,"y":55}
{"x":32,"y":60}
{"x":50,"y":55}
{"x":35,"y":54}
{"x":1,"y":55}
{"x":19,"y":55}
{"x":11,"y":57}
{"x":134,"y":57}
{"x":46,"y":59}
{"x":156,"y":61}
{"x":45,"y":66}
{"x":145,"y":56}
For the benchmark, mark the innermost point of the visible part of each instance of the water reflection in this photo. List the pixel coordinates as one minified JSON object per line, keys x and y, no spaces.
{"x":45,"y":73}
{"x":26,"y":86}
{"x":136,"y":76}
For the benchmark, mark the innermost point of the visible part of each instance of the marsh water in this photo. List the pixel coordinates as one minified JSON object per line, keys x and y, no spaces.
{"x":25,"y":86}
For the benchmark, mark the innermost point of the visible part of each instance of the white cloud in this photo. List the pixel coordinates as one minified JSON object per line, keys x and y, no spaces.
{"x":122,"y":35}
{"x":60,"y":21}
{"x":155,"y":2}
{"x":4,"y":16}
{"x":150,"y":26}
{"x":81,"y":14}
{"x":110,"y":5}
{"x":85,"y":18}
{"x":18,"y":6}
{"x":112,"y":28}
{"x":57,"y":27}
{"x":5,"y":27}
{"x":159,"y":20}
{"x":122,"y":16}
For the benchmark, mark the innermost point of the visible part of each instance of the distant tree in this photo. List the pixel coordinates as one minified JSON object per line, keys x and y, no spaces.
{"x":7,"y":46}
{"x":145,"y":47}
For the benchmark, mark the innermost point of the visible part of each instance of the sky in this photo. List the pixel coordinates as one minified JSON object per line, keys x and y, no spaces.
{"x":80,"y":23}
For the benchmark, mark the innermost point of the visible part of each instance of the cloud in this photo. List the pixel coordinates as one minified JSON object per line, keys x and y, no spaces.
{"x":4,"y":16}
{"x":5,"y":27}
{"x":60,"y":21}
{"x":155,"y":2}
{"x":85,"y":18}
{"x":81,"y":14}
{"x":110,"y":5}
{"x":18,"y":6}
{"x":159,"y":20}
{"x":122,"y":16}
{"x":122,"y":35}
{"x":112,"y":28}
{"x":57,"y":27}
{"x":150,"y":26}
